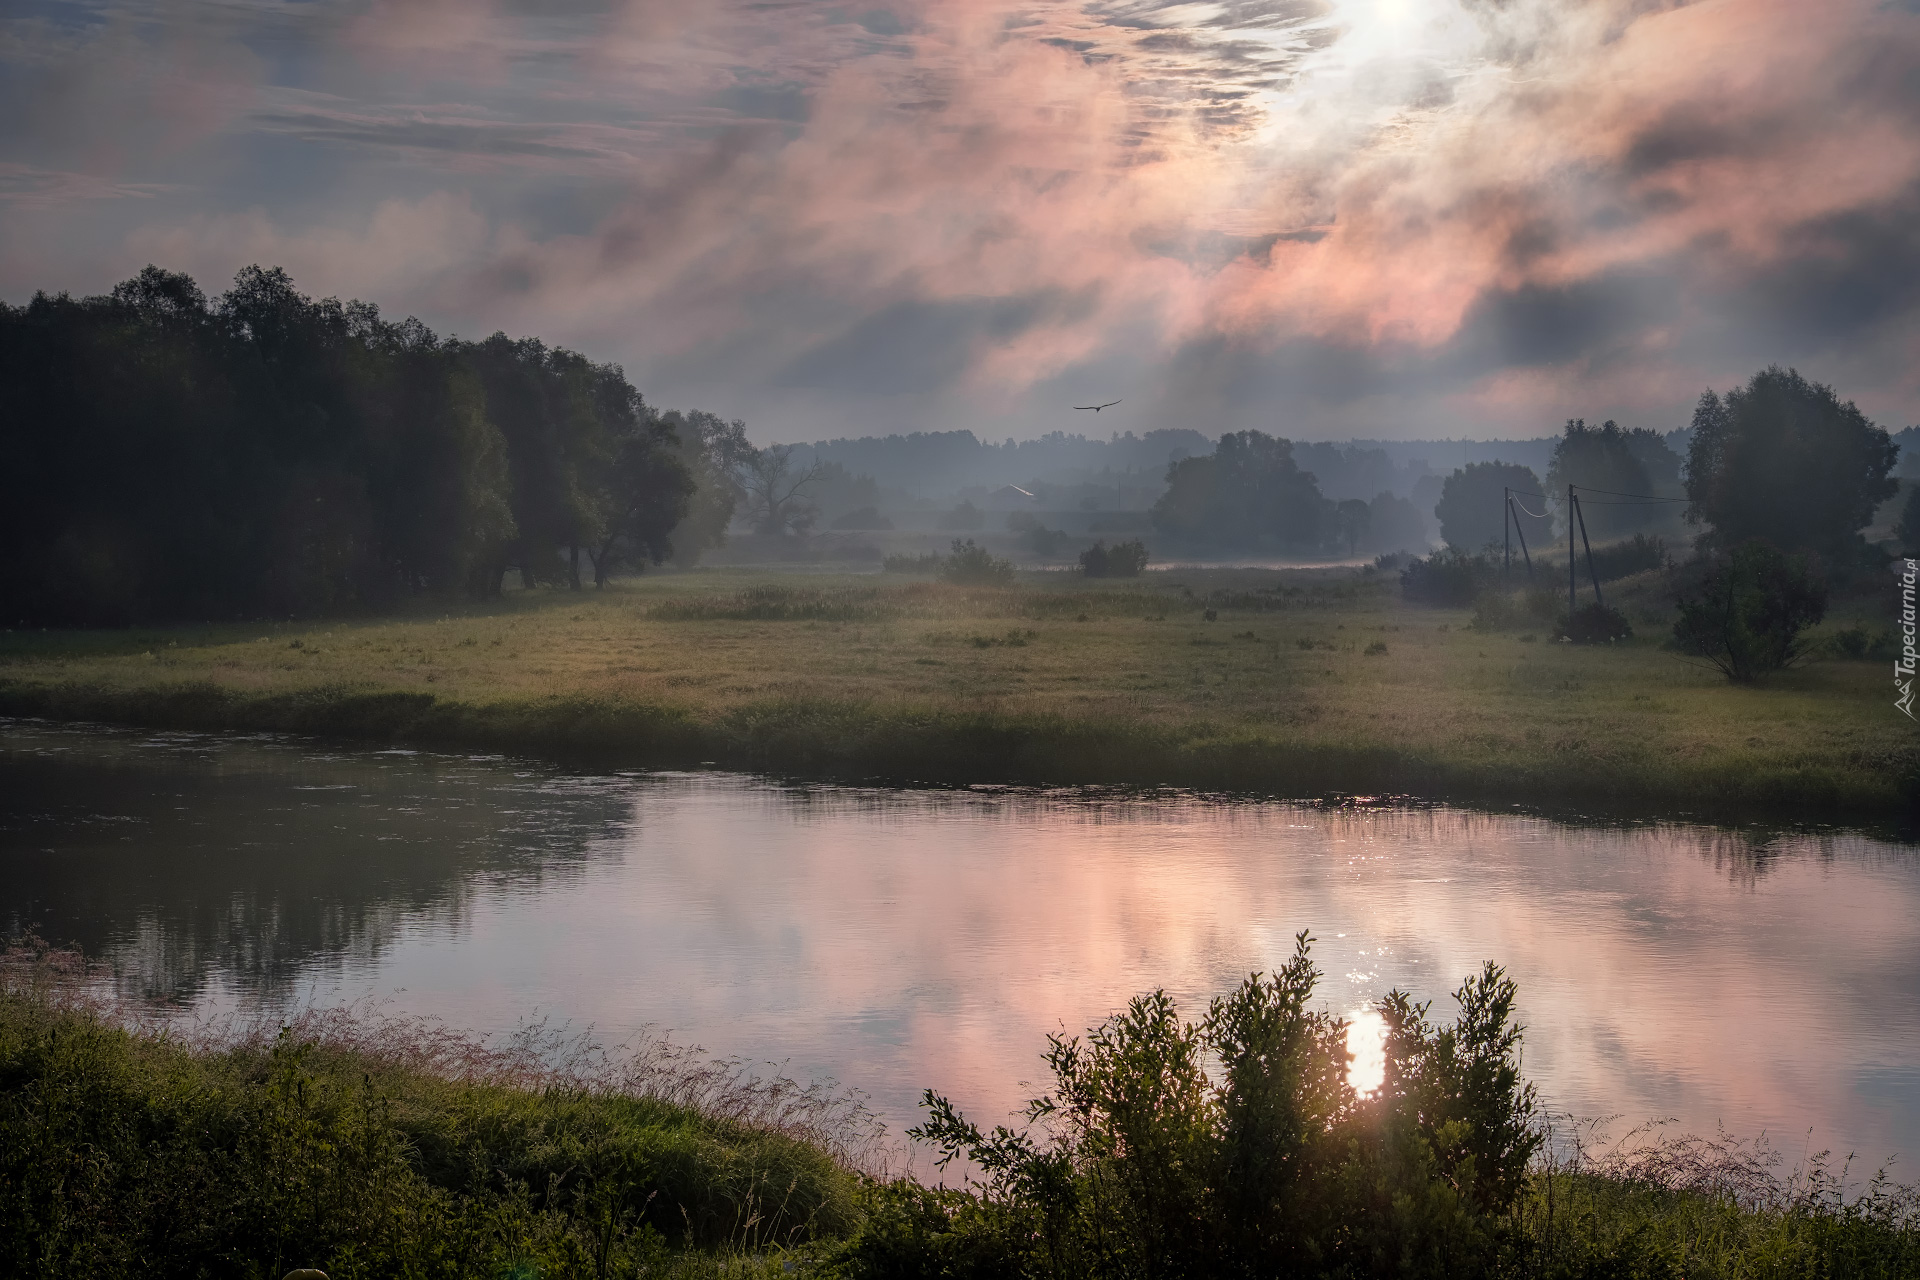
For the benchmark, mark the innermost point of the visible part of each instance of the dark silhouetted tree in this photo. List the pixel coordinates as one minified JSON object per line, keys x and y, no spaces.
{"x":1471,"y":501}
{"x":1786,"y":459}
{"x":1248,"y":493}
{"x":1616,"y":462}
{"x":1748,"y":614}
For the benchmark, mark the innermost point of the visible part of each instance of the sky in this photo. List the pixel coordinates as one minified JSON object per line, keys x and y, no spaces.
{"x":1328,"y":219}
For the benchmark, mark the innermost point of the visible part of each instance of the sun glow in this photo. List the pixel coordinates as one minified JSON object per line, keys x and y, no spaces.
{"x":1367,"y":1045}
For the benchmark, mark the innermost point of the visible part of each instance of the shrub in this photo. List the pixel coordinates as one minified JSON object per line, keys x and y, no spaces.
{"x":1750,"y":611}
{"x":1624,"y":559}
{"x":1594,"y":624}
{"x":927,"y":563}
{"x":1448,"y":577}
{"x":1236,"y":1146}
{"x":1121,"y":560}
{"x":971,"y":565}
{"x":1859,"y":644}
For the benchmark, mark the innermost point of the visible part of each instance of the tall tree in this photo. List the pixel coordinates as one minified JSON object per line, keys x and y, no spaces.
{"x":1787,"y":460}
{"x":1248,"y":493}
{"x":1606,"y":459}
{"x":715,"y":453}
{"x":1470,"y":509}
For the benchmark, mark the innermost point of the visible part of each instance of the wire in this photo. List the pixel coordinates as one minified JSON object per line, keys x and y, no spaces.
{"x":1537,"y":515}
{"x":1610,"y":493}
{"x":1601,"y":502}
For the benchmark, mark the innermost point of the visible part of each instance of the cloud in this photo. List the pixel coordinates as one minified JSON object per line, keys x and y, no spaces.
{"x":1375,"y":212}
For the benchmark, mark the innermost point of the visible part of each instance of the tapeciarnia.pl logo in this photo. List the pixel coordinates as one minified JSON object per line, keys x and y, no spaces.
{"x":1903,"y":666}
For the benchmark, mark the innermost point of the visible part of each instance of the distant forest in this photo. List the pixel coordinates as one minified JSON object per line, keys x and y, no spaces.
{"x":265,"y":454}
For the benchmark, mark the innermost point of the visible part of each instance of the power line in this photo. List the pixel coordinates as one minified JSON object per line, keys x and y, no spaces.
{"x":1610,"y":493}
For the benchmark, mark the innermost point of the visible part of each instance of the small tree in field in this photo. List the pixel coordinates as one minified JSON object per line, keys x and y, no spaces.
{"x":975,"y":566}
{"x":1748,"y":615}
{"x":1121,"y":560}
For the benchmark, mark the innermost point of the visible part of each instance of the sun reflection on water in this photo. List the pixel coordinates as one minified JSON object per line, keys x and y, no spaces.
{"x":1367,"y":1043}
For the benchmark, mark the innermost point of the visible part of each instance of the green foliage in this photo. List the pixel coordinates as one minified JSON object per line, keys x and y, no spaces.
{"x":1619,"y":462}
{"x":1907,"y":530}
{"x":266,"y":454}
{"x":1471,"y":500}
{"x":928,"y":562}
{"x":1248,"y":493}
{"x":971,"y":565}
{"x":1747,"y":616}
{"x":1593,"y":624}
{"x":715,"y":453}
{"x":1623,"y":559}
{"x":1449,"y":577}
{"x":1121,"y":560}
{"x":1787,"y":460}
{"x":123,"y":1154}
{"x":1235,"y":1147}
{"x":1034,"y":535}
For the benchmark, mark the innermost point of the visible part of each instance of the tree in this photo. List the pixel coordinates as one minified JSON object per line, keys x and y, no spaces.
{"x":1747,"y":616}
{"x":647,"y":493}
{"x":1616,"y":462}
{"x":1471,"y":500}
{"x":777,"y":491}
{"x":1121,"y":560}
{"x":1353,"y":518}
{"x":1907,"y":529}
{"x":1787,"y":460}
{"x":266,"y":453}
{"x":1395,"y":524}
{"x":1248,"y":493}
{"x":715,"y":453}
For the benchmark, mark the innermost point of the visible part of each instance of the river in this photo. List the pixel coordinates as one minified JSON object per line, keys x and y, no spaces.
{"x":896,"y":940}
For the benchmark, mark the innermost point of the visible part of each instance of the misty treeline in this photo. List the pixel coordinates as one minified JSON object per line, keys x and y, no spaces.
{"x":1781,"y":458}
{"x":262,"y":453}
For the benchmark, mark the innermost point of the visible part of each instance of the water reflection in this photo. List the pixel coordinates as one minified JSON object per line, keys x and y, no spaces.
{"x":904,"y":939}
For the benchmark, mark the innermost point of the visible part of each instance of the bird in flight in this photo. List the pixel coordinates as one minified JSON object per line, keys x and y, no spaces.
{"x":1098,"y":407}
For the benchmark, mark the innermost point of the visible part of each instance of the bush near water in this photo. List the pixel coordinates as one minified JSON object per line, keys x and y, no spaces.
{"x":1229,"y":1147}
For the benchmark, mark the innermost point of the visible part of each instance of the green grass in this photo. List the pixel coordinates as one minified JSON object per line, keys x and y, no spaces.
{"x":1308,"y":682}
{"x":372,"y":1147}
{"x":369,"y":1147}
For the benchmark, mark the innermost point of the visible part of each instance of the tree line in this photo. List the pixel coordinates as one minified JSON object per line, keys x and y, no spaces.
{"x":1781,"y":458}
{"x":263,"y":453}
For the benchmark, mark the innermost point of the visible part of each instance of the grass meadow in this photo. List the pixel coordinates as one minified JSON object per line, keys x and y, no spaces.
{"x":1296,"y":682}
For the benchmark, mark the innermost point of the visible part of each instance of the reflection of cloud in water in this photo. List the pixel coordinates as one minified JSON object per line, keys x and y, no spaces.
{"x":904,"y":940}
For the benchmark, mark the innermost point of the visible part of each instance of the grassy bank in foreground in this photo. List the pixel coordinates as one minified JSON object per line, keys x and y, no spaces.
{"x":1303,"y":683}
{"x":371,"y":1149}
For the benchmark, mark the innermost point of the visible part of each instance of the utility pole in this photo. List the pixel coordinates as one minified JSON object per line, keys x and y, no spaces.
{"x":1570,"y":579}
{"x":1591,"y":571}
{"x":1506,"y":538}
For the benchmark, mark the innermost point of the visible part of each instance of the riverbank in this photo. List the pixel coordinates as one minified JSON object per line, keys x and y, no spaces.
{"x":369,"y":1147}
{"x":1301,"y":683}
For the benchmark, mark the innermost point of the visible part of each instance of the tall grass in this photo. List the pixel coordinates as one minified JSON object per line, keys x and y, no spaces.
{"x":369,"y":1145}
{"x":375,"y":1146}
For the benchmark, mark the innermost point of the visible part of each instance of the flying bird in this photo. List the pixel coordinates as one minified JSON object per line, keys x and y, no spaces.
{"x":1098,"y":407}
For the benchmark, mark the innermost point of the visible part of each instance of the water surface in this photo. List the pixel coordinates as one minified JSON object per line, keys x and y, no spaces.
{"x":896,"y":940}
